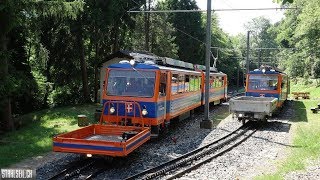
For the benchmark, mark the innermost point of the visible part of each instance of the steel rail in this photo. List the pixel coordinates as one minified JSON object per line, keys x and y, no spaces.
{"x":167,"y":166}
{"x":195,"y":157}
{"x":177,"y":175}
{"x":73,"y":170}
{"x":95,"y":174}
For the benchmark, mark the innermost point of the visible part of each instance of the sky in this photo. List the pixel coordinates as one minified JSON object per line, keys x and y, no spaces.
{"x":233,"y":22}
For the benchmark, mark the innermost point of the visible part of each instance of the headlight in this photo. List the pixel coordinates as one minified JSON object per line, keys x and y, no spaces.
{"x":132,"y":62}
{"x":240,"y":115}
{"x":144,"y":112}
{"x":112,"y":110}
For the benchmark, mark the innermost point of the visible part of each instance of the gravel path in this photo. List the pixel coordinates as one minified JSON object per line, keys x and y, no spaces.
{"x":256,"y":156}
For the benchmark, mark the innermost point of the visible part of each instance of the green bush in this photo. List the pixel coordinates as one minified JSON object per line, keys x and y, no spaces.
{"x":61,"y":96}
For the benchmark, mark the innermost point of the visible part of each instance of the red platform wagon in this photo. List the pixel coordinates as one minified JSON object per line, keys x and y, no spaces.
{"x":110,"y":137}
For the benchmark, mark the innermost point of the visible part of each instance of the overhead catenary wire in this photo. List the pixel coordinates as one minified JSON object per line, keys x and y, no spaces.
{"x":214,"y":10}
{"x":198,"y":10}
{"x":266,"y":48}
{"x":273,"y":48}
{"x":253,"y":57}
{"x":187,"y":34}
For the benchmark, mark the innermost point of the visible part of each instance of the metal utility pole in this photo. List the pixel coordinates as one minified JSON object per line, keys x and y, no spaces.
{"x":259,"y":63}
{"x":247,"y":62}
{"x":238,"y":78}
{"x":147,"y":25}
{"x":207,"y":123}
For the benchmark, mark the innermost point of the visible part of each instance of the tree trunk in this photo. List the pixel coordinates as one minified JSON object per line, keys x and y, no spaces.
{"x":96,"y":74}
{"x":47,"y":91}
{"x":5,"y":110}
{"x":116,"y":33}
{"x":83,"y":64}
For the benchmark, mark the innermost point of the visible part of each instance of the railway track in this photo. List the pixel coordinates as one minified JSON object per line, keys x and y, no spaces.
{"x":194,"y":159}
{"x":82,"y":169}
{"x":74,"y":169}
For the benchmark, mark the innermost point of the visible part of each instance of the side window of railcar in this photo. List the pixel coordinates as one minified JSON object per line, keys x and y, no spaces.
{"x":198,"y":80}
{"x":187,"y":83}
{"x":194,"y":83}
{"x":191,"y":83}
{"x":211,"y":82}
{"x":216,"y":81}
{"x":181,"y":84}
{"x":174,"y":84}
{"x":220,"y":81}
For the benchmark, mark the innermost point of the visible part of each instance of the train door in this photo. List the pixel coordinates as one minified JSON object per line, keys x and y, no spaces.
{"x":160,"y":108}
{"x":163,"y":94}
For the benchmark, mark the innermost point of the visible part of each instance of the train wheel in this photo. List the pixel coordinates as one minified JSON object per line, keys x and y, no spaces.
{"x":264,"y":120}
{"x":155,"y":130}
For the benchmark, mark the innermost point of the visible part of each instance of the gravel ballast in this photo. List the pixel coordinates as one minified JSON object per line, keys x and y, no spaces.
{"x":254,"y":157}
{"x":258,"y":155}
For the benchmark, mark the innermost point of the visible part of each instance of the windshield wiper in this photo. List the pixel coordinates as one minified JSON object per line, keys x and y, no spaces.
{"x":142,"y":74}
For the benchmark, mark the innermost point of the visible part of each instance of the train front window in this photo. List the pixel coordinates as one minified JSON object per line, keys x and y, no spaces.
{"x":131,"y":83}
{"x":263,"y":82}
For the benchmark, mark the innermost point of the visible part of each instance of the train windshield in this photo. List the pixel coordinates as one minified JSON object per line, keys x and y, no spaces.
{"x":132,"y":83}
{"x":263,"y":82}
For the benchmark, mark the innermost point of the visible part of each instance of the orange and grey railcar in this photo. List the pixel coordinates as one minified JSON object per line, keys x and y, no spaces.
{"x":268,"y":82}
{"x":139,"y":100}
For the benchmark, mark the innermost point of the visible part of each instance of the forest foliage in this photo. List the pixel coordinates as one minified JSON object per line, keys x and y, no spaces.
{"x":51,"y":50}
{"x":291,"y":44}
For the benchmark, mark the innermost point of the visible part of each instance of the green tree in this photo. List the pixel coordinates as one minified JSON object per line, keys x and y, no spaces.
{"x":107,"y":24}
{"x":261,"y":38}
{"x":284,"y":1}
{"x":300,"y":30}
{"x":13,"y":13}
{"x":224,"y":51}
{"x":189,"y":30}
{"x":316,"y":71}
{"x":162,"y":39}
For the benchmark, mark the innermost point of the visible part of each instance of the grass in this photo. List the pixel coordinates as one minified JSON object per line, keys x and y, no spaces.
{"x":221,"y":115}
{"x":299,"y":86}
{"x":35,"y":137}
{"x":306,"y":135}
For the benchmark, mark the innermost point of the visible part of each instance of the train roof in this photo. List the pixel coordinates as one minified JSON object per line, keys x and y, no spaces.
{"x":261,"y":72}
{"x":137,"y":66}
{"x":126,"y":65}
{"x":185,"y":70}
{"x":267,"y":70}
{"x":267,"y":73}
